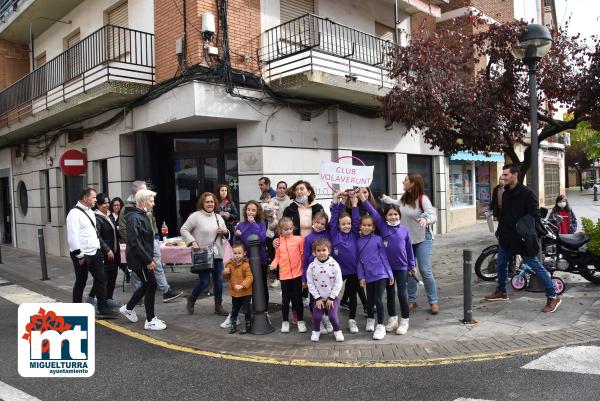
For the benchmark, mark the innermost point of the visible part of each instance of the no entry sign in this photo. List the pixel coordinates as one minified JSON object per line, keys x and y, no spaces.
{"x":73,"y":162}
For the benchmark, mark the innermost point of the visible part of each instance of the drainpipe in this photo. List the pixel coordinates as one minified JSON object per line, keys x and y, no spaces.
{"x":396,"y":21}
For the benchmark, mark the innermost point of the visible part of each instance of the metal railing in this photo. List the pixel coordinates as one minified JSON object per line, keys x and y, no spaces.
{"x":7,"y":8}
{"x":111,"y":53}
{"x":357,"y":54}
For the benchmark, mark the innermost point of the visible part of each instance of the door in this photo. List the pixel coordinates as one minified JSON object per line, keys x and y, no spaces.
{"x":424,"y":166}
{"x":6,"y":207}
{"x":379,"y":185}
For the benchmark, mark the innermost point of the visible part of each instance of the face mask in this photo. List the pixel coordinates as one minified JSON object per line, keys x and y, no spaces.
{"x":562,"y":204}
{"x":302,"y":200}
{"x":396,"y":224}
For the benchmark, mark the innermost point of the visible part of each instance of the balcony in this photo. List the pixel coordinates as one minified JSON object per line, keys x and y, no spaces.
{"x":314,"y":57}
{"x":16,"y":17}
{"x":107,"y":69}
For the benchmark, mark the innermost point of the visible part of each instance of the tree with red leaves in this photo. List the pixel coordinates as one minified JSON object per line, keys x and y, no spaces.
{"x":467,"y":92}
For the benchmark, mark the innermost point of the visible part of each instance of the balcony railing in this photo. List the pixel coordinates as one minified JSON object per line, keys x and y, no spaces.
{"x":7,"y":7}
{"x":112,"y":53}
{"x":311,"y":42}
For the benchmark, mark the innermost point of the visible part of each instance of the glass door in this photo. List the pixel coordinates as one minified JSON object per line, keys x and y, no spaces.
{"x":186,"y":187}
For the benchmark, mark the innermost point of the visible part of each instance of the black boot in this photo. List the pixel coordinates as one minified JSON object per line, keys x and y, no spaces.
{"x":219,"y":308}
{"x":191,"y":301}
{"x":233,"y":327}
{"x":247,"y":329}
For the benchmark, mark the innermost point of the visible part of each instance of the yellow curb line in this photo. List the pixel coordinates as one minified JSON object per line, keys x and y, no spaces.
{"x":304,"y":362}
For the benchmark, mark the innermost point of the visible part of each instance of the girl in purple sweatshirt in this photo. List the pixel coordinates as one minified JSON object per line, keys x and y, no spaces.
{"x":343,"y":232}
{"x":374,"y":271}
{"x":399,"y":251}
{"x":254,"y":223}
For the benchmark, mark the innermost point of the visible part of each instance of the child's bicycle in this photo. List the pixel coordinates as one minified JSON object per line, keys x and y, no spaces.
{"x":521,"y":279}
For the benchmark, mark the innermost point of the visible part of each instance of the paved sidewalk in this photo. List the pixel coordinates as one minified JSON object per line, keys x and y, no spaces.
{"x":504,"y":327}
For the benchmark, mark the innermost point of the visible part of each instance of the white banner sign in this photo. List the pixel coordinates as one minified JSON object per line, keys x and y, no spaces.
{"x":345,"y":175}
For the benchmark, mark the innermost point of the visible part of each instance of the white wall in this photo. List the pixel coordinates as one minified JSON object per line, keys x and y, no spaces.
{"x":88,"y":17}
{"x":357,"y":14}
{"x":528,"y":10}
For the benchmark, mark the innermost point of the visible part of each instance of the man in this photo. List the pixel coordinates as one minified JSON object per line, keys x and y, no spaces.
{"x":159,"y":272}
{"x":519,"y":202}
{"x":264,"y":184}
{"x":84,"y":248}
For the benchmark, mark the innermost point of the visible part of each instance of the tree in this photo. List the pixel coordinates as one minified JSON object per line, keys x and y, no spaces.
{"x":457,"y":106}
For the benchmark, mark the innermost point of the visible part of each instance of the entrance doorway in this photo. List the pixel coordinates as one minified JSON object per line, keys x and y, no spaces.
{"x":5,"y":211}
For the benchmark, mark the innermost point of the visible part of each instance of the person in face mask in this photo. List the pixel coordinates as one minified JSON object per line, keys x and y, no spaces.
{"x":562,"y":209}
{"x":303,"y":207}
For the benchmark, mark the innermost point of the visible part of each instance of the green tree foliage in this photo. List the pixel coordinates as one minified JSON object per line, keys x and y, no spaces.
{"x":593,"y":231}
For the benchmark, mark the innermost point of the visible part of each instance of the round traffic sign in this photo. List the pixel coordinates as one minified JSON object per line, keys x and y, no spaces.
{"x":73,"y":162}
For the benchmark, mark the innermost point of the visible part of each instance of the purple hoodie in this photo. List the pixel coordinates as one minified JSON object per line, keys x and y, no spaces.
{"x":344,"y":245}
{"x":373,"y":263}
{"x":309,"y":240}
{"x":396,"y":240}
{"x":247,"y":228}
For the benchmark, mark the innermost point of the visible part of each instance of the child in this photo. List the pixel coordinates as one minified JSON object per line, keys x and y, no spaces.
{"x":289,"y":257}
{"x":374,"y":271}
{"x":343,"y":232}
{"x":400,"y":255}
{"x":238,"y":272}
{"x":320,"y":220}
{"x":324,"y":279}
{"x":270,"y":208}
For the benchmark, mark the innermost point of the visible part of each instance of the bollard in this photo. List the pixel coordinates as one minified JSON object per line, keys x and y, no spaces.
{"x":467,"y":287}
{"x":1,"y":255}
{"x":43,"y":254}
{"x":595,"y":193}
{"x":261,"y":323}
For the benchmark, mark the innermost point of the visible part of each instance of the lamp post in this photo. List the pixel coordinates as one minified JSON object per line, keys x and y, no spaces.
{"x":531,"y":47}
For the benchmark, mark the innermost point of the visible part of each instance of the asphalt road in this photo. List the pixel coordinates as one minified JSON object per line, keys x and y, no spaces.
{"x":127,"y":368}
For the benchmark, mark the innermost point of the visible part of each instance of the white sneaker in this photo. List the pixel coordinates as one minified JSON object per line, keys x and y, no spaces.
{"x":392,"y":324}
{"x":323,"y":329}
{"x":274,"y":284}
{"x":301,"y":326}
{"x":379,"y":333}
{"x":305,"y":302}
{"x":285,"y":327}
{"x":129,"y":314}
{"x":155,"y":324}
{"x":403,"y":327}
{"x":227,"y":323}
{"x":352,"y":326}
{"x":328,"y":325}
{"x":370,"y":325}
{"x":339,"y":337}
{"x":315,"y":336}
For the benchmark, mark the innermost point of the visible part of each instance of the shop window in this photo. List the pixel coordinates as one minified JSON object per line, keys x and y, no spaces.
{"x":424,"y":166}
{"x":551,"y":183}
{"x":461,"y":184}
{"x":23,"y":200}
{"x":379,"y":185}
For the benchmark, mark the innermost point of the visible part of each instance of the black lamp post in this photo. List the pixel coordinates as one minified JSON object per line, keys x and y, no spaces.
{"x":531,"y":47}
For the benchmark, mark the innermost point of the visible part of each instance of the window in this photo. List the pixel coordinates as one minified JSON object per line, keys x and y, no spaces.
{"x":73,"y":59}
{"x":118,"y":46}
{"x":290,"y":9}
{"x":551,"y":183}
{"x":424,"y":166}
{"x":461,"y":184}
{"x":379,"y":185}
{"x":23,"y":200}
{"x":40,"y":60}
{"x":384,"y":32}
{"x":104,"y":176}
{"x":73,"y":187}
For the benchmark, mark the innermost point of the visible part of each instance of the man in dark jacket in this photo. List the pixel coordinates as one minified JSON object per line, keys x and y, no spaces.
{"x":518,"y":201}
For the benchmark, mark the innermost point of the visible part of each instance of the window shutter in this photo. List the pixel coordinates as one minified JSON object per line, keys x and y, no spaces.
{"x":290,"y":9}
{"x":384,"y":32}
{"x":118,"y":16}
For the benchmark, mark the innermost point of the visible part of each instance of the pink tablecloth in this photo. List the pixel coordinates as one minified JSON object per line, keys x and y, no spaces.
{"x":178,"y":254}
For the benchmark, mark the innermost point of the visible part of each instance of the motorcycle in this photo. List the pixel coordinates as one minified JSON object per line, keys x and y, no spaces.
{"x":561,"y":252}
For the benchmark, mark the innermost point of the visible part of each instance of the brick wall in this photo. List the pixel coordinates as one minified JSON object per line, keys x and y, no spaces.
{"x":500,"y":10}
{"x":244,"y":33}
{"x":420,"y":21}
{"x":14,"y":62}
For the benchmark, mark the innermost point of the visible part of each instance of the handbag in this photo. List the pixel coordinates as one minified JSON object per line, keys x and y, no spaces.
{"x":203,"y":258}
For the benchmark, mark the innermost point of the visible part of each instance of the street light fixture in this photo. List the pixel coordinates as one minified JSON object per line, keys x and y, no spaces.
{"x":531,"y":47}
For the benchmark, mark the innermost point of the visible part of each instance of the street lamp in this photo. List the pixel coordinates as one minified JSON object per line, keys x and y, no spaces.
{"x":531,"y":47}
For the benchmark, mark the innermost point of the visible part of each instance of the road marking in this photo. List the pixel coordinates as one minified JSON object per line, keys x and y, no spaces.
{"x":470,"y":399}
{"x":2,"y":281}
{"x":19,"y":295}
{"x":579,"y":359}
{"x":10,"y":393}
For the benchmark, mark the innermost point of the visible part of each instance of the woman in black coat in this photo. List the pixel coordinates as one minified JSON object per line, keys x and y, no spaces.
{"x":109,"y":245}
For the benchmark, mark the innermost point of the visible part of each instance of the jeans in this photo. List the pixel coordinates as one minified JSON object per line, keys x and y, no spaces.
{"x":204,"y":280}
{"x":159,"y":273}
{"x":146,"y":290}
{"x":422,"y":252}
{"x":401,"y":277}
{"x":503,"y":260}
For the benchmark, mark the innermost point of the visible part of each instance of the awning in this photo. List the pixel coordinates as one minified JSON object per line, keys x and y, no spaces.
{"x":478,"y":157}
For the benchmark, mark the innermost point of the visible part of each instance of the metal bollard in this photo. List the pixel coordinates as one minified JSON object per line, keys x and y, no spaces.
{"x":261,"y":323}
{"x":467,"y":287}
{"x":595,"y":193}
{"x":43,"y":254}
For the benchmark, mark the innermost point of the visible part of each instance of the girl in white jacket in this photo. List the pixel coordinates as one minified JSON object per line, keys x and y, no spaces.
{"x":324,"y":279}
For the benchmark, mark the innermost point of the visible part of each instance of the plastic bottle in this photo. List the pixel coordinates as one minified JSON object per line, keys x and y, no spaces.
{"x":164,"y":231}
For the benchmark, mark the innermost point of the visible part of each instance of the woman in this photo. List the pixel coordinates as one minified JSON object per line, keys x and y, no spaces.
{"x":561,"y":208}
{"x":140,"y":251}
{"x":226,"y":208}
{"x":282,"y":198}
{"x":202,"y":229}
{"x":116,"y":205}
{"x":364,"y":192}
{"x":302,"y":208}
{"x":417,"y":214}
{"x":109,"y":245}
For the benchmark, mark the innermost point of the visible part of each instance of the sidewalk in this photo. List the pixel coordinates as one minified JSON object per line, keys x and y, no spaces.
{"x":504,"y":327}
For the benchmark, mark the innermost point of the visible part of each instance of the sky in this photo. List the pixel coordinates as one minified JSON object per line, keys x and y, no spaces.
{"x":585,"y":15}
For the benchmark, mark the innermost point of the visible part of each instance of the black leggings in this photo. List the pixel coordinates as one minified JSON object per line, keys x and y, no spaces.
{"x":237,"y":303}
{"x":375,"y":291}
{"x":110,"y":276}
{"x":401,"y":277}
{"x":93,"y":264}
{"x":352,"y":286}
{"x":291,"y":291}
{"x":146,"y":290}
{"x":361,"y":295}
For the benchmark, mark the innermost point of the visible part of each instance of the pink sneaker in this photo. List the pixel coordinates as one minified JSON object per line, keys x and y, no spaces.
{"x":294,"y":317}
